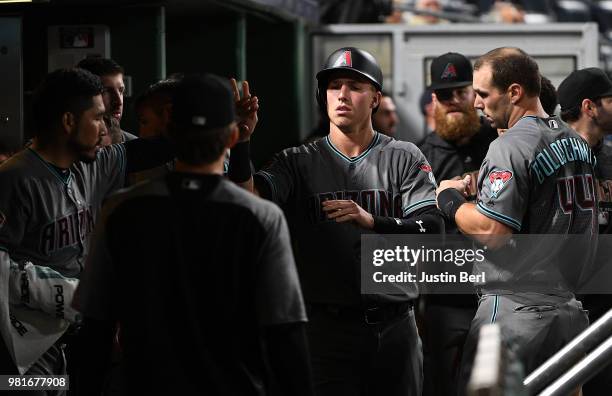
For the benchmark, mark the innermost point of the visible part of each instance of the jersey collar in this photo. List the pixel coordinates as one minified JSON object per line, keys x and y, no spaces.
{"x":61,"y":178}
{"x":360,"y":156}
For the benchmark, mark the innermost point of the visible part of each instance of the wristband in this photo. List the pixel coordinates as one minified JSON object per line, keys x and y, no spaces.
{"x":449,"y":201}
{"x":240,"y":162}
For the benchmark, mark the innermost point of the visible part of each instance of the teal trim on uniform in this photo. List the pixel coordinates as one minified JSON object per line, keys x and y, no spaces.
{"x":268,"y":178}
{"x":51,"y":169}
{"x":418,"y":205}
{"x":498,"y":216}
{"x":360,"y":156}
{"x":4,"y":249}
{"x":495,"y":309}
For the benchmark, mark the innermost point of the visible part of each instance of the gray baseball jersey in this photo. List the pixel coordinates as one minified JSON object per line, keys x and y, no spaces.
{"x":46,"y":216}
{"x":538,"y":178}
{"x":390,"y":178}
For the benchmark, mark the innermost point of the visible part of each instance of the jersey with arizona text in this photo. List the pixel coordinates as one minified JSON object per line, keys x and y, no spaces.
{"x":539,"y":178}
{"x":46,"y":216}
{"x":390,"y":178}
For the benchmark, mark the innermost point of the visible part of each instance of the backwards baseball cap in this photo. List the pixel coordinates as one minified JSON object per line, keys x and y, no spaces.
{"x":590,"y":83}
{"x":203,"y":100}
{"x":451,"y":70}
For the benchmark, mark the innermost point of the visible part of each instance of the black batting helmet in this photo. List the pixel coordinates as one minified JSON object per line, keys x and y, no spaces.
{"x":349,"y":59}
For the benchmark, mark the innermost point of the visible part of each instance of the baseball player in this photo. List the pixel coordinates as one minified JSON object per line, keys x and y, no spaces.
{"x":52,"y":192}
{"x":586,"y":104}
{"x":354,"y":176}
{"x":111,"y":74}
{"x":456,"y":147}
{"x":385,"y":119}
{"x":523,"y":188}
{"x":222,"y":317}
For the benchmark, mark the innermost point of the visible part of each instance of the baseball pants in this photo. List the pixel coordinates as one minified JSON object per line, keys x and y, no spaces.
{"x":535,"y":326}
{"x":351,"y":357}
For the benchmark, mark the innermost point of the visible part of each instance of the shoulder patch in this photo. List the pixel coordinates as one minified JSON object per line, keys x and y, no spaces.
{"x":426,"y":168}
{"x":499,"y":179}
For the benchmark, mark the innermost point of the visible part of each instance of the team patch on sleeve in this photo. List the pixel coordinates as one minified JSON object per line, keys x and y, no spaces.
{"x":2,"y":219}
{"x":499,"y":179}
{"x":427,"y":169}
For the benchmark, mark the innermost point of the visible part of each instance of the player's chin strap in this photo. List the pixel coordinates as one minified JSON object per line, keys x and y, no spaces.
{"x":425,"y":221}
{"x":44,"y":289}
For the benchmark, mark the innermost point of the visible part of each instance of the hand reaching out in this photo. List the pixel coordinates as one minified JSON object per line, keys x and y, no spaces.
{"x":246,"y":110}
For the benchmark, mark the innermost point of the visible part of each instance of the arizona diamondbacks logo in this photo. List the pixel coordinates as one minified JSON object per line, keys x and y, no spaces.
{"x":344,"y":60}
{"x":449,"y":72}
{"x":499,"y":180}
{"x":426,"y":168}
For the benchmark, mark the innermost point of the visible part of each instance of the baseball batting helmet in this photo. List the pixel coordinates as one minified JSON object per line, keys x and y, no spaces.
{"x":349,"y":59}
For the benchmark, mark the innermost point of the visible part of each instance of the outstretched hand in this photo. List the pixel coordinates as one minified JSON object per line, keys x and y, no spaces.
{"x":246,"y":110}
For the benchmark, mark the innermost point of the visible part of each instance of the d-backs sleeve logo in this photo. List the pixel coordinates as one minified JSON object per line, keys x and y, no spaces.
{"x":499,"y":179}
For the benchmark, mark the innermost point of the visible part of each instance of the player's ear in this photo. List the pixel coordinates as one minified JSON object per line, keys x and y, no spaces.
{"x":588,"y":107}
{"x":68,"y":122}
{"x":376,"y":100}
{"x":516,"y":93}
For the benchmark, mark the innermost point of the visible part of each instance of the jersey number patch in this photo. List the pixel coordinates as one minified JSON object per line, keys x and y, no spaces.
{"x":576,"y":191}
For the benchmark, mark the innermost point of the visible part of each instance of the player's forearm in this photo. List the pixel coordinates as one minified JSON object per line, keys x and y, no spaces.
{"x":240,"y":165}
{"x":426,"y":221}
{"x":480,"y":227}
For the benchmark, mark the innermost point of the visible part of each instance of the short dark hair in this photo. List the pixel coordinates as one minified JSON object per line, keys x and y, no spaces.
{"x":196,"y":146}
{"x":548,"y":96}
{"x":509,"y":66}
{"x":573,"y":113}
{"x":570,"y":115}
{"x":100,"y":66}
{"x":64,"y":90}
{"x":156,"y":96}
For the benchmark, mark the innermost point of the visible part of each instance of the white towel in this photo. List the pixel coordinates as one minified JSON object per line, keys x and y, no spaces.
{"x":28,"y":333}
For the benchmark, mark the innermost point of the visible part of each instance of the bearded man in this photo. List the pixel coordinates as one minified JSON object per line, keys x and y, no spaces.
{"x":461,"y":138}
{"x":456,"y":147}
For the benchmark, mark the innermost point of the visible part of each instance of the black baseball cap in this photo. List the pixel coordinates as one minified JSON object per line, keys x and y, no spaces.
{"x":451,"y":70}
{"x":590,"y":83}
{"x":203,"y":100}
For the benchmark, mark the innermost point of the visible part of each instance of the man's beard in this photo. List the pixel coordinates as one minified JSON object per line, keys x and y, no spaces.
{"x":82,"y":151}
{"x":456,"y":129}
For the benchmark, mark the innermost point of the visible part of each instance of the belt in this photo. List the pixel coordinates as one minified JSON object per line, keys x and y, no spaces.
{"x":370,"y":315}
